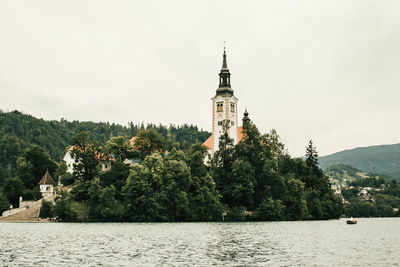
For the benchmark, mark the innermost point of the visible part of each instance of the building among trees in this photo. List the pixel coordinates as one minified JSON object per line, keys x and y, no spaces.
{"x":46,"y":185}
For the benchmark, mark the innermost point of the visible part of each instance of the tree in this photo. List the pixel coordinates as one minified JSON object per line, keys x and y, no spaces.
{"x":45,"y":209}
{"x":296,"y":207}
{"x":13,"y":188}
{"x":87,"y":157}
{"x":311,"y":156}
{"x":195,"y":160}
{"x":11,"y":147}
{"x":270,"y":210}
{"x":4,"y":203}
{"x":176,"y":183}
{"x":241,"y":190}
{"x":147,"y":142}
{"x":62,"y":174}
{"x":102,"y":203}
{"x":221,"y":163}
{"x":204,"y":199}
{"x":143,"y":195}
{"x":62,"y":208}
{"x":119,"y":148}
{"x":204,"y":202}
{"x":33,"y":164}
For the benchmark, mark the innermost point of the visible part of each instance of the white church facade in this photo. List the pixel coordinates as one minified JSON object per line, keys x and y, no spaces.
{"x":224,"y":109}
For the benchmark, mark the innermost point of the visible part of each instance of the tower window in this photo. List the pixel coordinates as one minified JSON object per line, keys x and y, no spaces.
{"x":232,"y":107}
{"x":219,"y":123}
{"x":220,"y":106}
{"x":232,"y":123}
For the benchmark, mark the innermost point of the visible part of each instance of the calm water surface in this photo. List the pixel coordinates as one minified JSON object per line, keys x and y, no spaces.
{"x":372,"y":242}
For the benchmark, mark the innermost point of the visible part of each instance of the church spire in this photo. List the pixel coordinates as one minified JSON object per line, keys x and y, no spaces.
{"x":224,"y":64}
{"x":224,"y":78}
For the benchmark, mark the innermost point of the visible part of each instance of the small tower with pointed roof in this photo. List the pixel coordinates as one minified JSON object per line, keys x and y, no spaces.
{"x":46,"y":185}
{"x":246,"y":118}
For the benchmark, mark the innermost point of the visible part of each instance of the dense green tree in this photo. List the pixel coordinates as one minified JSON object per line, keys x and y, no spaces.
{"x":87,"y":156}
{"x":11,"y":147}
{"x":361,"y":209}
{"x":13,"y":188}
{"x":195,"y":160}
{"x":62,"y":174}
{"x":147,"y":142}
{"x":204,"y":199}
{"x":311,"y":155}
{"x":45,"y":209}
{"x":4,"y":203}
{"x":144,"y":198}
{"x":204,"y":203}
{"x":102,"y":203}
{"x":176,"y":183}
{"x":241,"y":191}
{"x":33,"y":164}
{"x":296,"y":205}
{"x":270,"y":210}
{"x":121,"y":151}
{"x":32,"y":194}
{"x":62,"y":208}
{"x":119,"y":148}
{"x":255,"y":150}
{"x":221,"y":164}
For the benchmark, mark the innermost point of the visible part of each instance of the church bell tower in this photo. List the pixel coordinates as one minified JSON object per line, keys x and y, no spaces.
{"x":224,"y":108}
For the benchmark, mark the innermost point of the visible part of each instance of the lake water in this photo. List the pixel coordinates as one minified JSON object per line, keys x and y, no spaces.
{"x":371,"y":242}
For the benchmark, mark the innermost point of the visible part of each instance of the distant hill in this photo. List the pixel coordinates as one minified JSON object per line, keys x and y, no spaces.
{"x":383,"y":159}
{"x":346,"y":173}
{"x":342,"y":173}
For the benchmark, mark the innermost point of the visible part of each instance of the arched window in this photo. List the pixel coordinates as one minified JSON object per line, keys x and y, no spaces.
{"x":220,"y":106}
{"x":232,"y":107}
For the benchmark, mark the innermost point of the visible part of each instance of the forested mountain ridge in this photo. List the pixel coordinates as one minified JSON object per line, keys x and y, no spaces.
{"x":18,"y":131}
{"x":383,"y":159}
{"x":345,"y":174}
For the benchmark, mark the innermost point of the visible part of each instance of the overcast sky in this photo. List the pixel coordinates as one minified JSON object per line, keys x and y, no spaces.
{"x":322,"y":70}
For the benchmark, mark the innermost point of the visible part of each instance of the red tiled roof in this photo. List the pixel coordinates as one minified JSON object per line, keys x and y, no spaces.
{"x":240,"y":133}
{"x":99,"y":156}
{"x":132,"y":141}
{"x":209,"y":142}
{"x":46,"y":179}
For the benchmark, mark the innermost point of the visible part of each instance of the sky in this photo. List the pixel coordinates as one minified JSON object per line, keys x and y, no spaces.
{"x":321,"y":70}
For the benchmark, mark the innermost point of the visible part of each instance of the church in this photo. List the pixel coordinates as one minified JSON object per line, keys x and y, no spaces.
{"x":224,"y":108}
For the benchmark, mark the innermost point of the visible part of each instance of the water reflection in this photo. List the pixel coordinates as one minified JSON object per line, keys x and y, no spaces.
{"x":328,"y":243}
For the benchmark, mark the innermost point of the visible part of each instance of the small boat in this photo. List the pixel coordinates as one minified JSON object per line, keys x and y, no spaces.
{"x":351,"y":221}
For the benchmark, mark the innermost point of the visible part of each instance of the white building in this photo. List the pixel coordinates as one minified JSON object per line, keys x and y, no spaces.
{"x":46,"y":185}
{"x":70,"y":161}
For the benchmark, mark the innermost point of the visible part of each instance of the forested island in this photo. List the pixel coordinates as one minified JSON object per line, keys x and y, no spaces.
{"x":256,"y":179}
